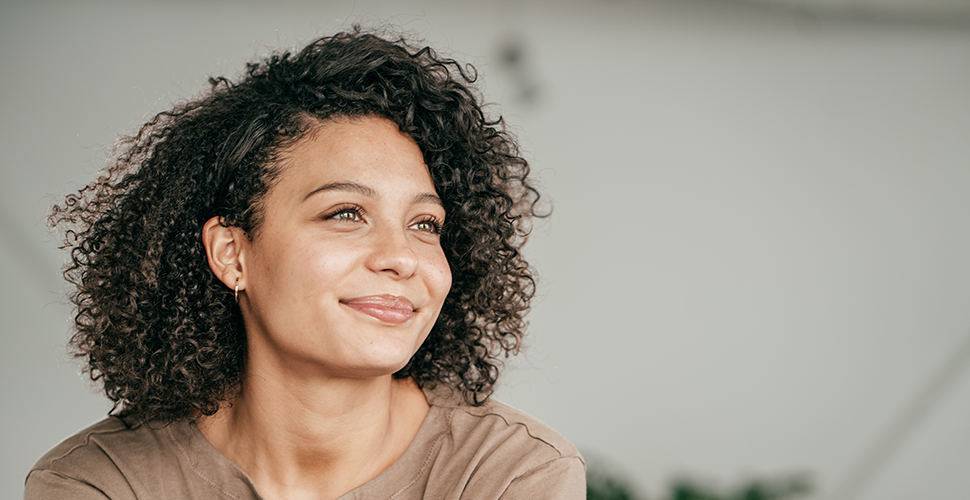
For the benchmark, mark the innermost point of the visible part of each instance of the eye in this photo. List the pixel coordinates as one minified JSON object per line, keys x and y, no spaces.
{"x":351,"y":213}
{"x":429,"y":225}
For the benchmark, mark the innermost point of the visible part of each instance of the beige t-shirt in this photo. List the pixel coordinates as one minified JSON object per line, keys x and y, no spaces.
{"x":487,"y":452}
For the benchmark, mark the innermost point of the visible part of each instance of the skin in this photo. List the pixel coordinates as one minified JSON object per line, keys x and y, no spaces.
{"x":338,"y":289}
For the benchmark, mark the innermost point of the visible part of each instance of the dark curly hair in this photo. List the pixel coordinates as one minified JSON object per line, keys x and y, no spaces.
{"x":162,"y":334}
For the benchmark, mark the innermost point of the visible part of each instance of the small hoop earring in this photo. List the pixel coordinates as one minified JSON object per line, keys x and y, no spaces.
{"x":235,"y":294}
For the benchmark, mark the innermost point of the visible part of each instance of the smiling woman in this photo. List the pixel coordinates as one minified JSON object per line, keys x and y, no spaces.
{"x":347,"y":275}
{"x":299,"y":285}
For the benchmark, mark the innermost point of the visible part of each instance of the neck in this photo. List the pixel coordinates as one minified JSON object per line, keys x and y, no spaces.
{"x":298,"y":439}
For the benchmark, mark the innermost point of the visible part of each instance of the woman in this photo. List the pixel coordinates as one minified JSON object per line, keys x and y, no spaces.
{"x":299,"y":285}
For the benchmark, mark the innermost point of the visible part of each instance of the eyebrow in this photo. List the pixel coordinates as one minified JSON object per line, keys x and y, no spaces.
{"x":428,"y":198}
{"x":343,"y":186}
{"x":366,"y":191}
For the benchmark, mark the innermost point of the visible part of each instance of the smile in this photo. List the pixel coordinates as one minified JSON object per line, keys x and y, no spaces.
{"x":385,"y":308}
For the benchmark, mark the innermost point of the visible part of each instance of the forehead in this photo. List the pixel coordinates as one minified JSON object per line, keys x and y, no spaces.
{"x":368,"y":150}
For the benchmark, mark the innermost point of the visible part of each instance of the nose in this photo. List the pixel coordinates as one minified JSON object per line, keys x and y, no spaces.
{"x":392,"y":254}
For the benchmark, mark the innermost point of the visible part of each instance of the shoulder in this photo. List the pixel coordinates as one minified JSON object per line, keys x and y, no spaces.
{"x":498,"y":423}
{"x":112,"y":459}
{"x":508,"y":452}
{"x":84,"y":464}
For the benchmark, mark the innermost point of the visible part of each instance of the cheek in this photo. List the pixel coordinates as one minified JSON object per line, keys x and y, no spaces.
{"x":304,"y":269}
{"x":439,"y":276}
{"x":327,"y":263}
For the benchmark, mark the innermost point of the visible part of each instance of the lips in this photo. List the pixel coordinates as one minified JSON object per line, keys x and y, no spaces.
{"x":385,"y":308}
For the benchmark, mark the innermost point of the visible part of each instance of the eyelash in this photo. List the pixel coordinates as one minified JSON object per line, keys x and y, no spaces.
{"x":359,"y":214}
{"x":435,"y":224}
{"x":354,"y":209}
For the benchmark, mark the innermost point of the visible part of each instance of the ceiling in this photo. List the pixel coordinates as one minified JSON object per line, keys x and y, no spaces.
{"x":935,"y":11}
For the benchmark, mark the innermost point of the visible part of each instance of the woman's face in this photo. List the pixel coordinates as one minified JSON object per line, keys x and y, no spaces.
{"x":346,"y":275}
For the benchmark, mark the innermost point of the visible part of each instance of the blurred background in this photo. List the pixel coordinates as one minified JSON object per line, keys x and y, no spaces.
{"x":757,"y":268}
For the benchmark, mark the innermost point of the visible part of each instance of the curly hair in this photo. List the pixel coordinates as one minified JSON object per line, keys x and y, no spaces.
{"x":163,"y":335}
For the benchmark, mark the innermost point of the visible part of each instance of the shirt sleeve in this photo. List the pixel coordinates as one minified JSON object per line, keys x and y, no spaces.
{"x":50,"y":485}
{"x":563,"y":478}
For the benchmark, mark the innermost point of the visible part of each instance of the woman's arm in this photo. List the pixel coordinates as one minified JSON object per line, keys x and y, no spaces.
{"x":50,"y":485}
{"x":560,"y":479}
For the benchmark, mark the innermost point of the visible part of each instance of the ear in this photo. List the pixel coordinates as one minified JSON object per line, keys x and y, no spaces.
{"x":225,"y":248}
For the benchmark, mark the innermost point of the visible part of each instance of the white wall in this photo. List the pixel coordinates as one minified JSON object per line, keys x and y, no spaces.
{"x":758,"y":256}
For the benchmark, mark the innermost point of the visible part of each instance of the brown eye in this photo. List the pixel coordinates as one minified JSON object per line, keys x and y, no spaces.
{"x":349,"y":214}
{"x":429,"y":226}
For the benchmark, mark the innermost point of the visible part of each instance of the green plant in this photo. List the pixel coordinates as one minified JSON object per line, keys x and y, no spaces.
{"x":790,"y":487}
{"x":606,"y":485}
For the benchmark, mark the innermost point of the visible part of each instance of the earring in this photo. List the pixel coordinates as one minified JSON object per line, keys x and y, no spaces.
{"x":235,"y":294}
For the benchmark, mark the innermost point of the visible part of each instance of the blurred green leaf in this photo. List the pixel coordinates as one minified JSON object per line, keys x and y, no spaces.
{"x":783,"y":488}
{"x":604,"y":487}
{"x":602,"y":484}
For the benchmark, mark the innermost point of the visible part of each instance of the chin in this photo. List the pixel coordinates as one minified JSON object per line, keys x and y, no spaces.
{"x":370,"y":372}
{"x":377,"y":367}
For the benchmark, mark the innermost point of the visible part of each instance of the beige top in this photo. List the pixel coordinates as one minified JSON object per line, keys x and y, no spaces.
{"x":487,"y":452}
